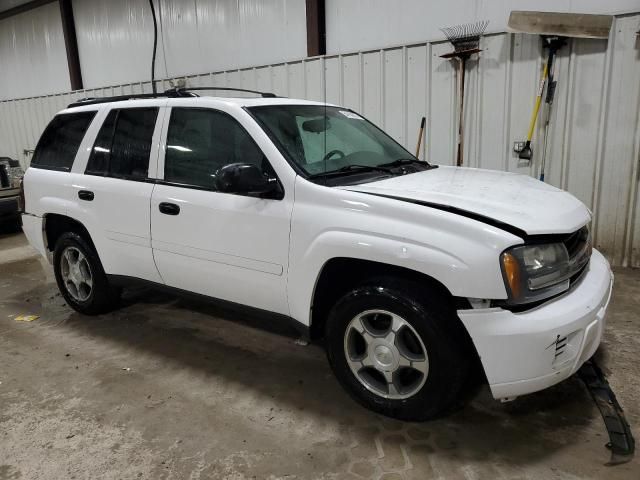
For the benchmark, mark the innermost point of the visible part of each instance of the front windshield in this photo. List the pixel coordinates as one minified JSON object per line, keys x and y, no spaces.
{"x":323,"y":140}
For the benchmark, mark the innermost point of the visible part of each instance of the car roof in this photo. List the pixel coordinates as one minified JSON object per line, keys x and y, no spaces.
{"x":208,"y":101}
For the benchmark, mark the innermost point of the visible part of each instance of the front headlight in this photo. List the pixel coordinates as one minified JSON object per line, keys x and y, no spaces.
{"x":536,"y":272}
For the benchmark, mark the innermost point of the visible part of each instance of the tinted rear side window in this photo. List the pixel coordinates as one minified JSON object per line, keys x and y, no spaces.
{"x":60,"y":141}
{"x":99,"y":159}
{"x":123,"y":144}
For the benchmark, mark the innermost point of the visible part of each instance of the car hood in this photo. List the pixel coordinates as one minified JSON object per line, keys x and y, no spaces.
{"x":509,"y":198}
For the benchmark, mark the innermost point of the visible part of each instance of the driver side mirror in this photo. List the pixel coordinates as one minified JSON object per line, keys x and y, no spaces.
{"x":246,"y":179}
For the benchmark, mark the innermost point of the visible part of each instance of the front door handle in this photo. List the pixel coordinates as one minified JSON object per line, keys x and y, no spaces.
{"x":169,"y":208}
{"x":85,"y":195}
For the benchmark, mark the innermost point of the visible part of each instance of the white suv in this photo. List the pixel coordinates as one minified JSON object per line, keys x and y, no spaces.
{"x":413,"y":275}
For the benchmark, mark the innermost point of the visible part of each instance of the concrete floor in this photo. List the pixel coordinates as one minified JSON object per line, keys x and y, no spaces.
{"x":171,"y":389}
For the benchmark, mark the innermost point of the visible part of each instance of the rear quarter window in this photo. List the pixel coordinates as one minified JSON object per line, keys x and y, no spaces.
{"x":60,"y":141}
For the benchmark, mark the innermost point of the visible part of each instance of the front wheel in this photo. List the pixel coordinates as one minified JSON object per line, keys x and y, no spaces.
{"x":80,"y":276}
{"x":396,"y":348}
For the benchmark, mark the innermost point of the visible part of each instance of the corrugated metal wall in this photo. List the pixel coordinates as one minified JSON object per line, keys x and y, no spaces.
{"x":115,"y":41}
{"x":365,"y":24}
{"x":33,"y":59}
{"x":595,"y":127}
{"x":114,"y":36}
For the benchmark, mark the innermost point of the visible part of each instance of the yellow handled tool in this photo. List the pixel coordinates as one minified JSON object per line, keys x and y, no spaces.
{"x":554,"y":28}
{"x":534,"y":116}
{"x":526,"y":152}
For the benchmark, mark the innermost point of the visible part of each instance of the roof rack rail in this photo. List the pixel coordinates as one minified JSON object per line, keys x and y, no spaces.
{"x":170,"y":93}
{"x":179,"y":91}
{"x":121,"y":98}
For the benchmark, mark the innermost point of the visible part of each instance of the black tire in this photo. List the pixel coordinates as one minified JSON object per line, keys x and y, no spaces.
{"x":437,"y":326}
{"x":102,"y":297}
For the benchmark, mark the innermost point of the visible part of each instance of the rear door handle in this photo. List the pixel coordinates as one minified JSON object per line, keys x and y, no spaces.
{"x":169,"y":208}
{"x":85,"y":195}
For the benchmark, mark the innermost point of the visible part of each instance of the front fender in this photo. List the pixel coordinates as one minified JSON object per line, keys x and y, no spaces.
{"x":360,"y":246}
{"x":460,"y":277}
{"x":460,"y":253}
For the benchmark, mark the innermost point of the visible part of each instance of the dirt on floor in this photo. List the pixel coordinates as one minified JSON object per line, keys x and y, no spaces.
{"x":167,"y":388}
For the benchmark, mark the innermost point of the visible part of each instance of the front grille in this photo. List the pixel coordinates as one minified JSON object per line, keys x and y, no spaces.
{"x":578,"y":246}
{"x":574,"y":240}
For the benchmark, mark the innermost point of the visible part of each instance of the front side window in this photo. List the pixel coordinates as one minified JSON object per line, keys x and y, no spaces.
{"x":322,"y":140}
{"x":60,"y":141}
{"x":201,"y":141}
{"x":123,"y":144}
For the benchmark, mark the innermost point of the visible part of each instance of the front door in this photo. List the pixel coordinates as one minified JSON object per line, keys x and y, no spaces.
{"x":227,"y":246}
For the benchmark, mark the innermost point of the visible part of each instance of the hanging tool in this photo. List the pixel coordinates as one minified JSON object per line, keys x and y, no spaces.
{"x":554,"y":28}
{"x":465,"y":40}
{"x":553,"y":44}
{"x":420,"y":135}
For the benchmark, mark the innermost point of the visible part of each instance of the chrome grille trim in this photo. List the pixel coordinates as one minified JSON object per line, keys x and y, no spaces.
{"x":578,"y":246}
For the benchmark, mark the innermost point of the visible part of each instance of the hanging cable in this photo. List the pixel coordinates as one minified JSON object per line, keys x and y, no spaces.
{"x":155,"y":46}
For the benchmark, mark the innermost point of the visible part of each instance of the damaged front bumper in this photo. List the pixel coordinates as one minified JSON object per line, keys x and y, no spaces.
{"x":529,"y":351}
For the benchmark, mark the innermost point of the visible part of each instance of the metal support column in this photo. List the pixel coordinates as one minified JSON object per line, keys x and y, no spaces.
{"x":316,"y":30}
{"x":71,"y":44}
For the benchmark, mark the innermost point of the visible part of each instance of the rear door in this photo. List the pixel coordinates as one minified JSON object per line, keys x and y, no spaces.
{"x":227,"y":246}
{"x":112,"y":188}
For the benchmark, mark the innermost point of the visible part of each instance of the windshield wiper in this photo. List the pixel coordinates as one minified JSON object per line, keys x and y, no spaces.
{"x":404,"y":161}
{"x":352,"y":168}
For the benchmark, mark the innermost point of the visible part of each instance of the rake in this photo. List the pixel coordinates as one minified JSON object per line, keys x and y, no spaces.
{"x":465,"y":40}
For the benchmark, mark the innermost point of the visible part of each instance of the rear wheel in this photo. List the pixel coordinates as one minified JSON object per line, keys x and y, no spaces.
{"x":398,"y":349}
{"x":80,"y":276}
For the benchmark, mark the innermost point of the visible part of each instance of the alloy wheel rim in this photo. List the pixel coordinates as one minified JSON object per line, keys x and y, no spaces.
{"x":76,"y":274}
{"x":386,"y":354}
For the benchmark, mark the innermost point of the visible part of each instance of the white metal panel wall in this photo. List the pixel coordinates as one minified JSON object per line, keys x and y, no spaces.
{"x":115,"y":41}
{"x":33,"y":59}
{"x":115,"y":38}
{"x":366,"y":24}
{"x":225,"y":34}
{"x":594,"y":149}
